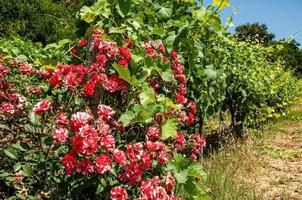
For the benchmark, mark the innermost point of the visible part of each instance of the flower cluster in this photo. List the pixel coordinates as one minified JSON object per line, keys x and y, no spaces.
{"x":157,"y":188}
{"x":74,"y":76}
{"x":11,"y":102}
{"x":99,"y":144}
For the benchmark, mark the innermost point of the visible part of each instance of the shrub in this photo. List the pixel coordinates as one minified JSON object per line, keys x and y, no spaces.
{"x":105,"y":128}
{"x":43,"y":21}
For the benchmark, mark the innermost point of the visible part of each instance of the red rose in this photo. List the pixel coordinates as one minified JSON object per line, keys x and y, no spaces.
{"x":191,"y":118}
{"x":161,"y":48}
{"x":25,"y":68}
{"x":74,"y":51}
{"x":42,"y":106}
{"x":181,"y":99}
{"x":153,"y":133}
{"x":60,"y":134}
{"x":123,"y":62}
{"x":53,"y":81}
{"x":97,"y":32}
{"x":124,"y":51}
{"x":158,"y":118}
{"x":105,"y":112}
{"x":118,"y":193}
{"x":173,"y":53}
{"x":132,"y":173}
{"x":193,"y":107}
{"x":107,"y":141}
{"x":146,"y":161}
{"x":119,"y":157}
{"x":62,"y":118}
{"x":129,"y":43}
{"x":83,"y":42}
{"x":8,"y":108}
{"x":181,"y":141}
{"x":102,"y":164}
{"x":89,"y":89}
{"x":69,"y":162}
{"x":79,"y":119}
{"x":169,"y":182}
{"x":89,"y":146}
{"x":86,"y":167}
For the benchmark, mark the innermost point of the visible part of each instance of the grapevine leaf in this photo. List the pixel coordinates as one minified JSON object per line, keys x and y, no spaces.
{"x":127,"y":117}
{"x":123,"y":7}
{"x":147,"y":96}
{"x":89,"y":14}
{"x":125,"y":74}
{"x":211,"y":74}
{"x":169,"y":129}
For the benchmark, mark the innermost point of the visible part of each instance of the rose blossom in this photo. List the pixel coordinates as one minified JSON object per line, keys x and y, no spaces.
{"x":8,"y":108}
{"x":42,"y":106}
{"x":118,"y":193}
{"x":60,"y":134}
{"x":102,"y":164}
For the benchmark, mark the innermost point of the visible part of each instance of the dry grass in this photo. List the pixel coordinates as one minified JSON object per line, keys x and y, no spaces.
{"x":266,"y":166}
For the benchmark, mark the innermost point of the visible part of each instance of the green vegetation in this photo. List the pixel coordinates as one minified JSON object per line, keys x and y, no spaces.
{"x":147,"y":78}
{"x":250,"y":169}
{"x":254,"y":33}
{"x":43,"y":21}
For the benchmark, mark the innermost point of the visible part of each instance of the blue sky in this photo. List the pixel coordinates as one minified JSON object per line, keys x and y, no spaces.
{"x":283,"y":17}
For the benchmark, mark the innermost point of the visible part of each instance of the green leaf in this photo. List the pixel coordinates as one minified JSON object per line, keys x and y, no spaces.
{"x":21,"y":58}
{"x":136,"y":24}
{"x":17,"y":167}
{"x":211,"y":74}
{"x":191,"y":187}
{"x":123,"y":7}
{"x":21,"y":146}
{"x":169,"y":129}
{"x":89,"y":14}
{"x":181,"y":177}
{"x":5,"y":127}
{"x":221,"y":3}
{"x":160,"y":31}
{"x":166,"y":75}
{"x":12,"y":153}
{"x":171,"y":38}
{"x":34,"y":119}
{"x":117,"y":30}
{"x":127,"y":117}
{"x":27,"y":170}
{"x":63,"y":42}
{"x":147,"y":96}
{"x":125,"y":74}
{"x":164,"y":12}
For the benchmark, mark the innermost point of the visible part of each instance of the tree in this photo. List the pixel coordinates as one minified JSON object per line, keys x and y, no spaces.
{"x":254,"y":33}
{"x":43,"y":21}
{"x":287,"y":52}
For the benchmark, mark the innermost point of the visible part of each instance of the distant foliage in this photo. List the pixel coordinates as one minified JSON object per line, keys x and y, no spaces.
{"x":27,"y":51}
{"x":254,"y":33}
{"x":40,"y":20}
{"x":288,"y":53}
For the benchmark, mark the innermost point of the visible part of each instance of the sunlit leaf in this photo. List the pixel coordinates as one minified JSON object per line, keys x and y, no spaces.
{"x":169,"y":129}
{"x":221,"y":3}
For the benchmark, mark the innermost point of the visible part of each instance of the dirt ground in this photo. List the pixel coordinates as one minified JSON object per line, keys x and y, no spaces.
{"x":279,"y":173}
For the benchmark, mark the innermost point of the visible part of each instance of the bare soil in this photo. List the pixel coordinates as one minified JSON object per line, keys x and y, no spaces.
{"x":279,"y":173}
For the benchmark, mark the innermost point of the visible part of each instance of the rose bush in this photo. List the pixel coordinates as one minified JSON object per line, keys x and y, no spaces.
{"x":105,"y":127}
